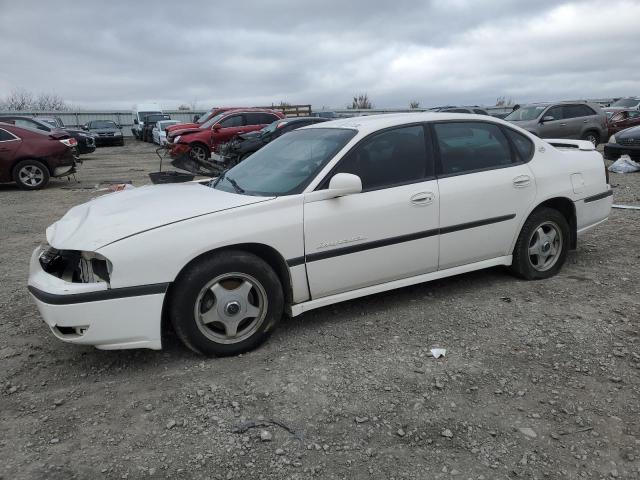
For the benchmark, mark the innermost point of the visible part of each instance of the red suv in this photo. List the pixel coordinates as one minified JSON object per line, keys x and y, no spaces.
{"x":204,"y":118}
{"x":200,"y":142}
{"x":29,"y":156}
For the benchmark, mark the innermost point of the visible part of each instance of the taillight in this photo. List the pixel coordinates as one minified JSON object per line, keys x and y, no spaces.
{"x":69,"y":142}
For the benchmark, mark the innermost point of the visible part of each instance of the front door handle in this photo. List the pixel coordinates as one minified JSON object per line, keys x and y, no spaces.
{"x":422,"y":198}
{"x":522,"y":181}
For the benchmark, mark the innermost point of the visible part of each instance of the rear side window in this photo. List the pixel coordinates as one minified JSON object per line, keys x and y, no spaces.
{"x":523,"y":146}
{"x":5,"y":136}
{"x":471,"y":146}
{"x":575,"y":111}
{"x":390,"y":158}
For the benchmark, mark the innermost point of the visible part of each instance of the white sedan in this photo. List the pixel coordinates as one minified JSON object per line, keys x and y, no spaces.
{"x":324,"y":214}
{"x":159,"y":132}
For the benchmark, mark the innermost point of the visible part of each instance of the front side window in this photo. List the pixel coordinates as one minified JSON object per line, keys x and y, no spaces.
{"x":469,"y":146}
{"x":556,"y":112}
{"x":393,"y":157}
{"x":232,"y":121}
{"x":286,"y":165}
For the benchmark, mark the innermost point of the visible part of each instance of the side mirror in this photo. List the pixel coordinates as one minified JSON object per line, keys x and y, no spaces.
{"x":341,"y":184}
{"x":118,"y":126}
{"x":135,"y":121}
{"x":85,"y":127}
{"x":216,"y":127}
{"x":547,"y":118}
{"x":196,"y":118}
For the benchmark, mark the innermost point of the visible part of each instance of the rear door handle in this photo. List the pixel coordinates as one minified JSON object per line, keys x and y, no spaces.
{"x":522,"y":181}
{"x":422,"y":198}
{"x":563,"y":124}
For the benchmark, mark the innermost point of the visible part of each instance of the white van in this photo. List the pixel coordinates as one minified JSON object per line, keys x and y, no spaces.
{"x":139,"y":112}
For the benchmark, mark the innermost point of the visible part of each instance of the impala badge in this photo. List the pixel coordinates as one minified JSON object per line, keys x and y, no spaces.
{"x":340,"y":242}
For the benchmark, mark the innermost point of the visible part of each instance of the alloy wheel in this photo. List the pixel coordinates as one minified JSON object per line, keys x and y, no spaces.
{"x":31,"y":175}
{"x":545,"y":246}
{"x":230,"y":308}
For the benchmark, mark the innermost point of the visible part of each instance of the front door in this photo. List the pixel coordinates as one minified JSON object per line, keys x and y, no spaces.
{"x":556,"y":128}
{"x":387,"y":232}
{"x":485,"y":189}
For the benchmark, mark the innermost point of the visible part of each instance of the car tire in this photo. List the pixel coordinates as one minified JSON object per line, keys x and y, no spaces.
{"x":226,"y":304}
{"x":199,"y":152}
{"x":592,"y":137}
{"x":31,"y":175}
{"x":541,"y":248}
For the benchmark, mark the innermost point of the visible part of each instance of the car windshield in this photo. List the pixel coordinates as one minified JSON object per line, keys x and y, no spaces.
{"x":526,"y":113}
{"x":212,"y":121}
{"x":102,"y":124}
{"x":626,"y":102}
{"x":142,"y":115}
{"x":286,"y":165}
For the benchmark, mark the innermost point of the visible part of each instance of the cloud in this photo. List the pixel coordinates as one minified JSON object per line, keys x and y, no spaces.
{"x":117,"y":53}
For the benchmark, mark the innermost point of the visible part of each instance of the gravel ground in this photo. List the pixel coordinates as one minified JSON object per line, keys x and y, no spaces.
{"x":540,"y":379}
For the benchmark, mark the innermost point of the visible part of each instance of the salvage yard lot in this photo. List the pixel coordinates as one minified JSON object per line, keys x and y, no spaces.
{"x":540,"y":379}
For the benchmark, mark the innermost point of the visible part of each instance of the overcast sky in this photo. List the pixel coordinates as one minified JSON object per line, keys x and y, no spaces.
{"x":113,"y":54}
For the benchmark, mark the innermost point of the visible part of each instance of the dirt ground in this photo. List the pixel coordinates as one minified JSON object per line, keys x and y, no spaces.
{"x":540,"y":379}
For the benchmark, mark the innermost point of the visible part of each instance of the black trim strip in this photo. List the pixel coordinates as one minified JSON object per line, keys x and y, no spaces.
{"x":599,"y":196}
{"x":111,"y":294}
{"x":477,"y":223}
{"x":394,"y":240}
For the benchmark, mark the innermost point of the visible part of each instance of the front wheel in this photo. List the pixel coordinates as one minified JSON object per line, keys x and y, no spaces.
{"x":226,"y":304}
{"x":542,"y":246}
{"x":200,"y":152}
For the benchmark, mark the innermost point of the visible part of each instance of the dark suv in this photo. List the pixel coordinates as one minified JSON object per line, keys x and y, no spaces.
{"x":577,"y":120}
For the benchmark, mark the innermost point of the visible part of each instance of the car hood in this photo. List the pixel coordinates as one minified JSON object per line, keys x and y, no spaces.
{"x":629,"y":133}
{"x":115,"y":216}
{"x":182,"y":126}
{"x":183,"y":131}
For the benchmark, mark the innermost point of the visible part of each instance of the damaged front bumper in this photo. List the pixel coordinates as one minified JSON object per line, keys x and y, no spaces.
{"x":85,"y":312}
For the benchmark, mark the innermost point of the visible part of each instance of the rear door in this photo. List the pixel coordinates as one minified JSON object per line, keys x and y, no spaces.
{"x":9,"y":145}
{"x":485,"y":189}
{"x":387,"y":232}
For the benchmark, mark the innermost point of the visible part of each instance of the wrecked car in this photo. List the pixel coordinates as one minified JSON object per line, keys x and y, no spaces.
{"x":321,"y":215}
{"x":199,"y":143}
{"x":29,"y":157}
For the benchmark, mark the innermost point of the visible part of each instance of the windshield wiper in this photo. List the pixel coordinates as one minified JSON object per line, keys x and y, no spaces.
{"x":235,"y":185}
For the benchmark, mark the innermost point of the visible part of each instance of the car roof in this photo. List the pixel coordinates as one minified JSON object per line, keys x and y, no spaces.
{"x":303,"y":119}
{"x":372,"y":123}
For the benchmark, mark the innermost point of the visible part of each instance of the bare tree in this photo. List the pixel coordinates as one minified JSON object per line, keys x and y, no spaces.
{"x":413,"y":104}
{"x":361,"y":102}
{"x":50,"y":102}
{"x":504,"y":101}
{"x":23,"y":100}
{"x":18,"y":100}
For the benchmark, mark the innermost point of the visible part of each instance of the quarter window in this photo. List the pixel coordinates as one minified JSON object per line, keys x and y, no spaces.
{"x":393,"y":157}
{"x":524,"y":147}
{"x":468,"y":146}
{"x":6,"y":136}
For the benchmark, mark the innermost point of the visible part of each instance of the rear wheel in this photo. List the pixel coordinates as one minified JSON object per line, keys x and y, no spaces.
{"x":31,"y":174}
{"x":226,"y":304}
{"x":542,"y":246}
{"x":593,"y":137}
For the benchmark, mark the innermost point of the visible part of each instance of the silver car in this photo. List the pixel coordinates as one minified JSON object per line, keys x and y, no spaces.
{"x":577,"y":120}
